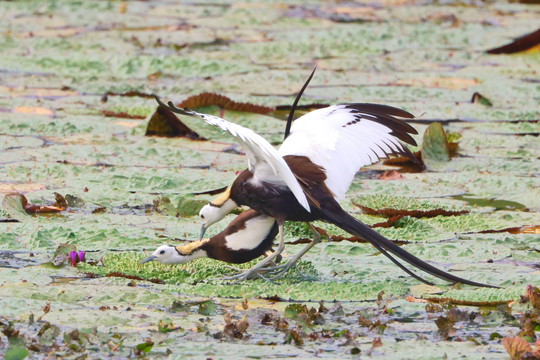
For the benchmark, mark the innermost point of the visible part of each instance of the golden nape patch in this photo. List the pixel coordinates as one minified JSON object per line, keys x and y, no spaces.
{"x":220,"y":200}
{"x":190,"y":247}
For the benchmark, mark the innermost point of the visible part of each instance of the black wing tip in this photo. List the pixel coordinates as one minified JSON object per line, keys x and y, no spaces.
{"x":171,"y":107}
{"x":388,"y":116}
{"x":379,"y":108}
{"x":158,"y":100}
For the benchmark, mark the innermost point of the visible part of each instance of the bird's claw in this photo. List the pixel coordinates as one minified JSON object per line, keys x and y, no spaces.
{"x":283,"y":269}
{"x":233,"y":268}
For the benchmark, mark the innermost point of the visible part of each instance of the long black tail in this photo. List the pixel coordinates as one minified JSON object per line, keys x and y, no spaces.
{"x":355,"y":227}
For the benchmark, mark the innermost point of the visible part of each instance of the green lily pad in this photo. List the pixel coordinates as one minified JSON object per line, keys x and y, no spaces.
{"x":435,"y":145}
{"x":16,"y":352}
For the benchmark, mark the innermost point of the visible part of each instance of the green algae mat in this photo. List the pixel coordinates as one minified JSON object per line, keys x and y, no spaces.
{"x":77,"y":173}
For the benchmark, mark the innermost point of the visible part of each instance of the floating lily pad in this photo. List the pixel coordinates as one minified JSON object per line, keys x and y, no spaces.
{"x":435,"y":145}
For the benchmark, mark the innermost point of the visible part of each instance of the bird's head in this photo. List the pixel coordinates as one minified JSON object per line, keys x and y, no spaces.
{"x":169,"y":254}
{"x":216,"y":210}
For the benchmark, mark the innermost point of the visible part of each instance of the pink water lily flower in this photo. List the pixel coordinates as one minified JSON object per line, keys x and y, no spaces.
{"x":76,"y":257}
{"x":73,"y":258}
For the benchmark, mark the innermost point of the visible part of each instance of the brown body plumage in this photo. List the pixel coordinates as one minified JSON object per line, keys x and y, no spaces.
{"x":217,"y":246}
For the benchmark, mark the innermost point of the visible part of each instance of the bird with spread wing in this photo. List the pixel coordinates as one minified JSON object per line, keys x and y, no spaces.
{"x":311,"y":172}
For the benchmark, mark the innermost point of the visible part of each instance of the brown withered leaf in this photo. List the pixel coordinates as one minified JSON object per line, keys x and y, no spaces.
{"x":377,"y":342}
{"x":399,"y":213}
{"x":363,"y":321}
{"x":460,"y":315}
{"x":445,"y":326}
{"x":46,"y":308}
{"x":390,"y":175}
{"x":98,"y":210}
{"x":267,"y":319}
{"x":532,"y":295}
{"x":38,"y":209}
{"x":530,"y":229}
{"x":234,"y":329}
{"x":131,"y":93}
{"x":273,"y":299}
{"x":511,"y":230}
{"x":208,"y":98}
{"x":445,"y":323}
{"x":406,"y":164}
{"x":382,"y":301}
{"x":294,"y":336}
{"x":433,"y":308}
{"x":281,"y":324}
{"x":516,"y":347}
{"x":441,"y":300}
{"x":536,"y":352}
{"x":44,"y":328}
{"x":523,"y":43}
{"x":121,"y":114}
{"x":528,"y":323}
{"x":165,"y":123}
{"x":303,"y":315}
{"x":60,"y":200}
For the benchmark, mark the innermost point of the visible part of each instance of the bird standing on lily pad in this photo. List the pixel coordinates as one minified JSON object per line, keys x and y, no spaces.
{"x":312,"y":170}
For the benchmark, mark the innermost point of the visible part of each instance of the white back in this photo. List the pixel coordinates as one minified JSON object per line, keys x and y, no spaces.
{"x":256,"y":228}
{"x":336,"y":139}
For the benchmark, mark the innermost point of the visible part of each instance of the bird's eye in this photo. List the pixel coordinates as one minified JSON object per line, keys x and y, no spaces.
{"x":162,"y":252}
{"x":202,"y":216}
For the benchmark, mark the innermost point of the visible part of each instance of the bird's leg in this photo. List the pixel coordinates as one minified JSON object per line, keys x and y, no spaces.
{"x":266,"y":254}
{"x":276,"y":260}
{"x":284,"y":268}
{"x":261,"y":265}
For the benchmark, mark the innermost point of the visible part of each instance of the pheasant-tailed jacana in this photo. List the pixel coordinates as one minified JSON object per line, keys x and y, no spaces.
{"x":247,"y":237}
{"x":314,"y":168}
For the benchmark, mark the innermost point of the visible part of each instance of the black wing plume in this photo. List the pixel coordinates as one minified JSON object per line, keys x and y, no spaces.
{"x":295,"y":103}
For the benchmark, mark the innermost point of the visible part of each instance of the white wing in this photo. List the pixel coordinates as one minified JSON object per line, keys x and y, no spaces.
{"x":343,"y":138}
{"x":263,"y":160}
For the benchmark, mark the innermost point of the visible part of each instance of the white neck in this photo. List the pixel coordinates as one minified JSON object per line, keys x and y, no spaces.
{"x":182,"y":259}
{"x":228,"y":206}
